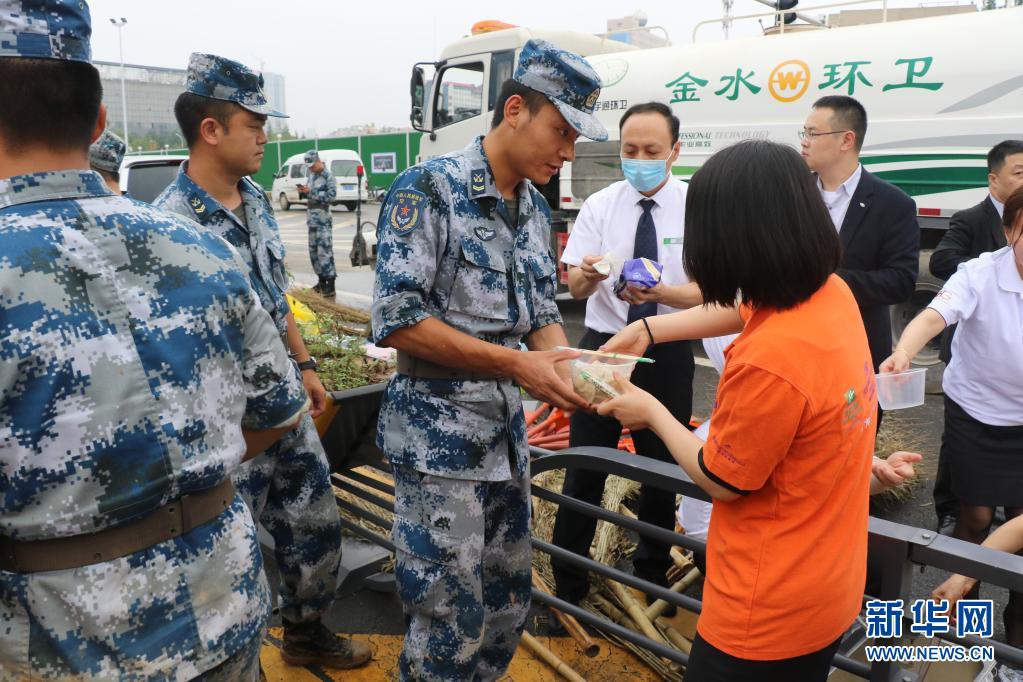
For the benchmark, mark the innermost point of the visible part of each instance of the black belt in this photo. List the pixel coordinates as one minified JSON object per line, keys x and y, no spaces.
{"x":417,"y":368}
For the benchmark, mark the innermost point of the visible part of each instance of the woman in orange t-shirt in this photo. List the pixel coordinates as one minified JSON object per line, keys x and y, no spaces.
{"x":788,"y":457}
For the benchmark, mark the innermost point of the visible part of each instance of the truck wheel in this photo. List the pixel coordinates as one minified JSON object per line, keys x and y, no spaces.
{"x":350,"y":205}
{"x":927,"y":285}
{"x":283,"y":202}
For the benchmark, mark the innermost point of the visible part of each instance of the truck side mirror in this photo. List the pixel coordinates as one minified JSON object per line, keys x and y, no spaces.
{"x":417,"y":92}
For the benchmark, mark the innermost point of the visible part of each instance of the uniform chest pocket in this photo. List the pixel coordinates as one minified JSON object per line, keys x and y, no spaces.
{"x":480,"y":286}
{"x":275,"y":249}
{"x":543,"y":270}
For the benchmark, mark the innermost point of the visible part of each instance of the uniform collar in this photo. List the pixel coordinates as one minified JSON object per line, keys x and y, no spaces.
{"x":1008,"y":276}
{"x":66,"y":184}
{"x":481,"y":179}
{"x":199,"y":200}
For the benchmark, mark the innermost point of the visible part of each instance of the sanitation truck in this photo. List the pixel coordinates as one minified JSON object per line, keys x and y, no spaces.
{"x":939,"y":92}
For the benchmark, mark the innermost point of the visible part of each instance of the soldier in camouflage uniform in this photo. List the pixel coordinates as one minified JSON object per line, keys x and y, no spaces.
{"x":288,"y":487}
{"x":322,"y":190}
{"x":105,"y":156}
{"x":464,"y":273}
{"x":137,"y":370}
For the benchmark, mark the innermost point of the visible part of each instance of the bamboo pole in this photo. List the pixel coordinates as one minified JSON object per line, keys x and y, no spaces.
{"x":548,"y":657}
{"x":677,"y":640}
{"x":659,"y":606}
{"x":636,"y":613}
{"x":571,"y":625}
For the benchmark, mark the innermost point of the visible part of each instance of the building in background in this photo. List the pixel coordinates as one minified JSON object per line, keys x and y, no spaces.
{"x":151,"y":92}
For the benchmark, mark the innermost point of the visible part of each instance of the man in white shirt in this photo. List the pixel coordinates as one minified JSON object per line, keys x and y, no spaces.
{"x":641,"y":216}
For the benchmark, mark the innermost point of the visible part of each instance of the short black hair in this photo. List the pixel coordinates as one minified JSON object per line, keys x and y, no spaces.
{"x":996,"y":157}
{"x":190,"y":110}
{"x":49,"y":103}
{"x":849,"y":114}
{"x":653,"y":108}
{"x":756,"y":227}
{"x":533,"y":100}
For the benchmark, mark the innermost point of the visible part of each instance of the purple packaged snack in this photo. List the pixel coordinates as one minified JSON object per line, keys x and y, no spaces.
{"x":641,"y":272}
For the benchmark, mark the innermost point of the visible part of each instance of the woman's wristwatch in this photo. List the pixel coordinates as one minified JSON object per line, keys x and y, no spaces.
{"x":308,"y":364}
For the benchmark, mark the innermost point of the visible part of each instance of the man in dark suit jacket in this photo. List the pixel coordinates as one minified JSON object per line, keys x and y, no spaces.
{"x":876,"y":221}
{"x":971,"y":232}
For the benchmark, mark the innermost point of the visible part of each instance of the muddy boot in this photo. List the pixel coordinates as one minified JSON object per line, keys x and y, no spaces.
{"x":327,"y":288}
{"x":314,"y":644}
{"x":318,"y":287}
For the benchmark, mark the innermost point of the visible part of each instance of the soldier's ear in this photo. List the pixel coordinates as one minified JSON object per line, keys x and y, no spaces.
{"x":210,"y":131}
{"x":514,"y":107}
{"x":101,"y":124}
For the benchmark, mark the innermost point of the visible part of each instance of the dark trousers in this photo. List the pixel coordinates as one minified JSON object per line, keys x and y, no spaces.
{"x":708,"y":664}
{"x":670,"y":380}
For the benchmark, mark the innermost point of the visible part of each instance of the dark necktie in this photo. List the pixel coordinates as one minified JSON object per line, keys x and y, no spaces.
{"x":646,"y":247}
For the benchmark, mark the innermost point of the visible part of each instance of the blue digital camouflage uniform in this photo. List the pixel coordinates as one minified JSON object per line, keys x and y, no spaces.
{"x":287,"y":487}
{"x":133,"y":352}
{"x":322,"y":190}
{"x":448,"y":249}
{"x":107,"y":152}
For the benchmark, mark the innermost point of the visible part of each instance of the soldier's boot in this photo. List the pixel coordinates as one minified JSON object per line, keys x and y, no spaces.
{"x":314,"y":643}
{"x":327,"y":288}
{"x":318,"y":287}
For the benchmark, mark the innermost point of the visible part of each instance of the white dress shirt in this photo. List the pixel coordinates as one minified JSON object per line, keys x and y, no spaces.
{"x":607,"y":224}
{"x":985,"y":376}
{"x":838,"y":201}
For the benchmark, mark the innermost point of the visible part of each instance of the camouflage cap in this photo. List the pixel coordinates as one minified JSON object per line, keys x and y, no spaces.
{"x":568,"y":81}
{"x":107,"y":152}
{"x":312,"y":156}
{"x":219,"y":78}
{"x":45,"y":29}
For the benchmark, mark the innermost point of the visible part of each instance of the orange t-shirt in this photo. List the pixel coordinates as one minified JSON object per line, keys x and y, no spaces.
{"x":793,"y":429}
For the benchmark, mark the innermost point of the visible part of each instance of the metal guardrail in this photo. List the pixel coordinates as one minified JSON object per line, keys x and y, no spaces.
{"x":895,"y":550}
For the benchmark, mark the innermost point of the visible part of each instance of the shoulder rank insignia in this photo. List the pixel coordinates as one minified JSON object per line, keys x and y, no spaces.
{"x":485,"y":233}
{"x":477,"y":183}
{"x":406,"y":211}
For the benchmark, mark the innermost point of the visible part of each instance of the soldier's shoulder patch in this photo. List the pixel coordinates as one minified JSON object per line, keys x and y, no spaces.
{"x":406,"y":214}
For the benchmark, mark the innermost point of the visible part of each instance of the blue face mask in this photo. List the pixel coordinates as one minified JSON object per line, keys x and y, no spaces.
{"x":645,"y":175}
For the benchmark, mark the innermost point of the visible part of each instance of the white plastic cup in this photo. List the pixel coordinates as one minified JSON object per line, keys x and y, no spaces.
{"x":601,"y":367}
{"x":899,"y":390}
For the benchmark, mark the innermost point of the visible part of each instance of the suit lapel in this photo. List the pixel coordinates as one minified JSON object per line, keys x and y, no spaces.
{"x":994,"y":224}
{"x":858,"y":207}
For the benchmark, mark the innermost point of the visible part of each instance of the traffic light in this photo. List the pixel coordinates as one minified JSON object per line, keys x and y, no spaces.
{"x":788,"y":17}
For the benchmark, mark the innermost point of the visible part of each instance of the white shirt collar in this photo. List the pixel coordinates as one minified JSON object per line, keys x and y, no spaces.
{"x":850,"y":184}
{"x":999,"y":206}
{"x":658,"y":196}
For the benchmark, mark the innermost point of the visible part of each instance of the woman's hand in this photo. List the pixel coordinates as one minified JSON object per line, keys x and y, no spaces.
{"x":953,"y":589}
{"x":898,"y":361}
{"x":634,"y":408}
{"x":632,"y":340}
{"x":895,"y":470}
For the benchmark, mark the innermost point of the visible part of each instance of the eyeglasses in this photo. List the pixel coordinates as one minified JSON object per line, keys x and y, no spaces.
{"x":804,"y":133}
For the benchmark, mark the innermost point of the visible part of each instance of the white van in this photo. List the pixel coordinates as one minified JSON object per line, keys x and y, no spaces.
{"x":144,"y":177}
{"x":341,"y":163}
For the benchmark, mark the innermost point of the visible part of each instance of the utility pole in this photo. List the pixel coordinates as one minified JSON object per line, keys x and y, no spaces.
{"x":726,"y":24}
{"x":119,"y":24}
